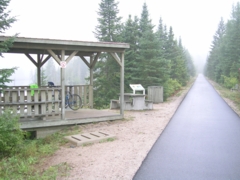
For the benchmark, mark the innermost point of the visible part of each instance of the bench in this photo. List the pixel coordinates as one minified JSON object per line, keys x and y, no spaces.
{"x":149,"y":104}
{"x":114,"y":104}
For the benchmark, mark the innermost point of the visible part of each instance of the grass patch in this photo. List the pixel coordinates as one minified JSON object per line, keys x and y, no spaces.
{"x":128,"y":118}
{"x":87,"y":144}
{"x":27,"y":162}
{"x":234,"y":96}
{"x":107,"y":140}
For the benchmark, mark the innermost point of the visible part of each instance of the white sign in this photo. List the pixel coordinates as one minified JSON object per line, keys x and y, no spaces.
{"x":137,"y":87}
{"x":63,"y":64}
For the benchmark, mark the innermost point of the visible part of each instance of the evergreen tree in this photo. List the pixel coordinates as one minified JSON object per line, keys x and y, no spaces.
{"x":76,"y":72}
{"x":162,"y":34}
{"x":190,"y":65}
{"x":131,"y":35}
{"x":44,"y":78}
{"x":50,"y":70}
{"x":231,"y":45}
{"x":5,"y":75}
{"x":106,"y":71}
{"x":153,"y":69}
{"x":223,"y":62}
{"x":109,"y":28}
{"x":5,"y":23}
{"x":174,"y":54}
{"x":213,"y":67}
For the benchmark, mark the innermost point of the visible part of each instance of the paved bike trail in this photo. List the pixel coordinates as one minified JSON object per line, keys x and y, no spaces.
{"x":201,"y":142}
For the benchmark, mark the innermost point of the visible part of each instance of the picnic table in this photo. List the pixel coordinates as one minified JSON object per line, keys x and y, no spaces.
{"x":133,"y":101}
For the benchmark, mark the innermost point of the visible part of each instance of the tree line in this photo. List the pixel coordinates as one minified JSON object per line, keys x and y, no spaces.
{"x":223,"y":61}
{"x":155,"y":57}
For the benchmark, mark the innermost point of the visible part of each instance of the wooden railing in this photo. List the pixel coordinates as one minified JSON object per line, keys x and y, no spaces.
{"x":42,"y":102}
{"x":84,"y":91}
{"x":29,"y":103}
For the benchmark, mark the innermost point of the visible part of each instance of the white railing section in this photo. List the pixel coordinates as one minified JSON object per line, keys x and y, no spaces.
{"x":28,"y":103}
{"x":41,"y":102}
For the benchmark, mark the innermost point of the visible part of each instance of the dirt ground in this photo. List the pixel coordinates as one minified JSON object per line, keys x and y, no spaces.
{"x":121,"y":158}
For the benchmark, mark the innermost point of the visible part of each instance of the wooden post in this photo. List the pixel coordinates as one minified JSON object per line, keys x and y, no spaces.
{"x":122,"y":85}
{"x":91,"y":84}
{"x":38,"y":70}
{"x":63,"y":85}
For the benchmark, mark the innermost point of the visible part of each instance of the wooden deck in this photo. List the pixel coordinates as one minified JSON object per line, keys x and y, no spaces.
{"x":72,"y":118}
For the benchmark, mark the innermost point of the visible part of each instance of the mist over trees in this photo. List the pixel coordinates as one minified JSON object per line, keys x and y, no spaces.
{"x":75,"y":74}
{"x":155,"y":57}
{"x":223,"y":62}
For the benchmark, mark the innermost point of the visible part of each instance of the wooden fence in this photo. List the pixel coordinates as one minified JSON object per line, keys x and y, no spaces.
{"x":84,"y":91}
{"x":41,"y":102}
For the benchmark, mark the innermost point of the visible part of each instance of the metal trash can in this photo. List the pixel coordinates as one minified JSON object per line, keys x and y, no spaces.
{"x":155,"y":94}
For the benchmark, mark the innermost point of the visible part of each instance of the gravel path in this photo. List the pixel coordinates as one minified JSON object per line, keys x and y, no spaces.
{"x":121,"y":158}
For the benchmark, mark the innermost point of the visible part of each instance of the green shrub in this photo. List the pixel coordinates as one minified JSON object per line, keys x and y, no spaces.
{"x":229,"y":82}
{"x":11,"y":136}
{"x":170,"y":87}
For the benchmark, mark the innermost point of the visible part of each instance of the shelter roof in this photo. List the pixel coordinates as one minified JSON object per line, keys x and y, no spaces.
{"x":40,"y":46}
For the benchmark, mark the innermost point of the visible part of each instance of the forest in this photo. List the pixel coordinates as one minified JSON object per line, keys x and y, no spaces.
{"x":223,"y":61}
{"x":155,"y":57}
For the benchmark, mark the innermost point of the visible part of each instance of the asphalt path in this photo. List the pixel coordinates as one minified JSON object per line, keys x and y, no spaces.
{"x":201,"y":141}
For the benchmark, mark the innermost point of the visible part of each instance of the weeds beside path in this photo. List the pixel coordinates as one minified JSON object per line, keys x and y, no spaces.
{"x":232,"y":98}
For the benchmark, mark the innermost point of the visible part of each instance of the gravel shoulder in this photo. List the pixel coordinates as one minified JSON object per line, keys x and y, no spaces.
{"x":121,"y":158}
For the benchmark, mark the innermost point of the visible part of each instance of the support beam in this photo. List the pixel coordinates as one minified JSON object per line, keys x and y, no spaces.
{"x":95,"y":60}
{"x":91,"y":83}
{"x":31,"y":59}
{"x":38,"y":63}
{"x":85,"y":61}
{"x":39,"y":59}
{"x":45,"y":60}
{"x":122,"y":85}
{"x":63,"y":85}
{"x":71,"y":56}
{"x":54,"y":55}
{"x":115,"y":56}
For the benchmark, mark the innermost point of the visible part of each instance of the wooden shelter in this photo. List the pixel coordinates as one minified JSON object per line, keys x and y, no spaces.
{"x":62,"y":51}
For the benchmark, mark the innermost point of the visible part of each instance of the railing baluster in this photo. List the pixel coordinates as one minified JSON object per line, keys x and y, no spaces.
{"x":21,"y":100}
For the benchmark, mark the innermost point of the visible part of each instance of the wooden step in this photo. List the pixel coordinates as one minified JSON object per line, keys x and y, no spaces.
{"x":88,"y":138}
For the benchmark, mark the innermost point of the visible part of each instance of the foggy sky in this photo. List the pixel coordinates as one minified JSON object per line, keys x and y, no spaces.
{"x":194,"y":20}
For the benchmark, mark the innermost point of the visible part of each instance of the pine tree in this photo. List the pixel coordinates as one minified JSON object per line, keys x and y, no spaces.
{"x":153,"y":69}
{"x":231,"y":45}
{"x":106,"y":71}
{"x":109,"y":28}
{"x":50,"y":70}
{"x":76,"y":72}
{"x":162,"y":34}
{"x":223,"y":62}
{"x":213,"y":66}
{"x":5,"y":23}
{"x":189,"y":63}
{"x":130,"y":35}
{"x":175,"y":53}
{"x":44,"y":78}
